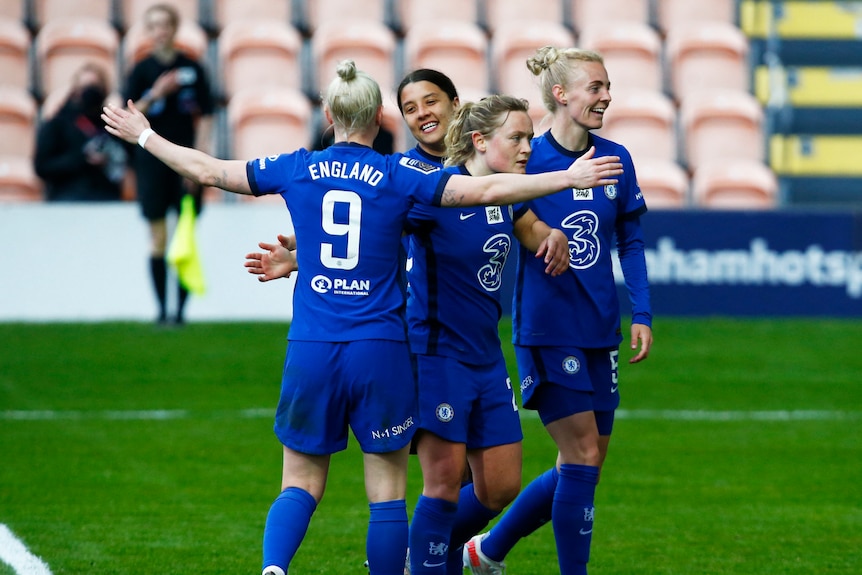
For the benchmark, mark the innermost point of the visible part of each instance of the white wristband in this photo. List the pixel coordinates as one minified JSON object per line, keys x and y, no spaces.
{"x":142,"y":139}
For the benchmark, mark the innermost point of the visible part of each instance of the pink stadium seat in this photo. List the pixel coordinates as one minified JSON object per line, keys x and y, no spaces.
{"x":672,"y":13}
{"x":458,"y":49}
{"x":225,"y":12}
{"x":318,"y":12}
{"x":632,"y":52}
{"x":369,"y":43}
{"x":191,"y":39}
{"x":13,"y":11}
{"x":17,"y":122}
{"x":132,"y":11}
{"x":267,"y":122}
{"x":735,"y":184}
{"x":707,"y":56}
{"x":644,"y":122}
{"x":511,"y":46}
{"x":260,"y":53}
{"x":502,"y":12}
{"x":664,"y":183}
{"x":412,"y":12}
{"x":18,"y":180}
{"x":721,"y":124}
{"x":65,"y":44}
{"x":608,"y":13}
{"x":45,"y":10}
{"x":14,"y":53}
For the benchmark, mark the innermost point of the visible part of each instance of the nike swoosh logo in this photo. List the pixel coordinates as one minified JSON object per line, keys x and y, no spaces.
{"x":466,"y":216}
{"x":614,"y":389}
{"x":586,"y":531}
{"x":426,"y":564}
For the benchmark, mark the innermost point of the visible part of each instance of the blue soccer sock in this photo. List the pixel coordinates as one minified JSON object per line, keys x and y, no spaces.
{"x":286,"y":525}
{"x":471,"y":518}
{"x":530,"y":510}
{"x":430,"y":530}
{"x":573,"y":516}
{"x":386,"y":543}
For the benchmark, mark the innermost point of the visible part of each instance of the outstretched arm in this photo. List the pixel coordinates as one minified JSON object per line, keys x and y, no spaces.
{"x":132,"y":126}
{"x":502,"y":189}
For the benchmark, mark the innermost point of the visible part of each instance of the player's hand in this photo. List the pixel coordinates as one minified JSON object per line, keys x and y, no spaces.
{"x":275,"y":262}
{"x":125,"y":124}
{"x":641,"y":336}
{"x":555,"y":251}
{"x":588,"y":171}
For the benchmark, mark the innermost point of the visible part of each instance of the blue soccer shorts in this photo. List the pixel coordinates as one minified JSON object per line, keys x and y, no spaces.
{"x":561,"y":381}
{"x":366,"y":385}
{"x":465,"y":403}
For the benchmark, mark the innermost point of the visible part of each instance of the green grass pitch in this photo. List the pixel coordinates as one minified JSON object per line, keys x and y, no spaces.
{"x":129,"y":449}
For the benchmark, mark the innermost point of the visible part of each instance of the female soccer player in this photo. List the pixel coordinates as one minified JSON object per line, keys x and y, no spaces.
{"x":348,"y":205}
{"x":467,"y":408}
{"x":567,"y":328}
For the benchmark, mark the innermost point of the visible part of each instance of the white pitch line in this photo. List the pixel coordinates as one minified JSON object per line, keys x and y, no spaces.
{"x":265,"y":413}
{"x":15,"y":554}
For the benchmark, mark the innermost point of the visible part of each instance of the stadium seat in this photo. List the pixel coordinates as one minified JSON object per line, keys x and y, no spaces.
{"x":132,"y":11}
{"x":191,"y":39}
{"x":13,"y":11}
{"x":644,"y":122}
{"x":800,"y":19}
{"x":266,"y":122}
{"x":831,"y":155}
{"x":260,"y":53}
{"x":65,"y":44}
{"x":18,"y":180}
{"x":459,"y":49}
{"x":412,"y":12}
{"x":735,"y":184}
{"x":318,"y":12}
{"x":14,"y":53}
{"x":507,"y":12}
{"x":632,"y":52}
{"x":707,"y":56}
{"x":224,"y":12}
{"x":17,"y":122}
{"x":664,"y":183}
{"x":672,"y":13}
{"x":721,"y":124}
{"x":369,"y":43}
{"x":46,"y":10}
{"x":511,"y":46}
{"x":592,"y":13}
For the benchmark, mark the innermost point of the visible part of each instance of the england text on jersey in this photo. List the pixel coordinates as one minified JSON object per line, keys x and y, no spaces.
{"x":354,"y":171}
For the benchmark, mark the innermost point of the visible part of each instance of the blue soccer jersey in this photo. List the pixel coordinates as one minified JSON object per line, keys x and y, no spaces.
{"x":455,"y":275}
{"x":580,"y":307}
{"x":348,"y":205}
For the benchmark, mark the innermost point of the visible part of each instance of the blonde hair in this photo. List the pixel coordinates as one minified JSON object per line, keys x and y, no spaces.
{"x":353,"y":98}
{"x":169,"y":9}
{"x":556,"y":66}
{"x":484,"y":117}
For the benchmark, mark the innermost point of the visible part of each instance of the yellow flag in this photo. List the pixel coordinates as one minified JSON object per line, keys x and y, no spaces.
{"x":183,"y":251}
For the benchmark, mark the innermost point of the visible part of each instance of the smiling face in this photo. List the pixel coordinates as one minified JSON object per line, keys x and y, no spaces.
{"x":508,"y":148}
{"x":427,"y":111}
{"x":587,"y":96}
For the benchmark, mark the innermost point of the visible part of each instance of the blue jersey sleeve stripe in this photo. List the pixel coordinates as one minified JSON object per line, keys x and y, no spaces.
{"x":441,"y":185}
{"x":252,"y":181}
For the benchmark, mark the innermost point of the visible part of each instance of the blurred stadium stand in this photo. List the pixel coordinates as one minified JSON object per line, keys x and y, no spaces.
{"x":807,"y":61}
{"x":798,"y":63}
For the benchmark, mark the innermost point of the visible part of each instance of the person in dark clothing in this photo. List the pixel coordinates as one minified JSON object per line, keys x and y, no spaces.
{"x":75,"y":157}
{"x":172,"y":90}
